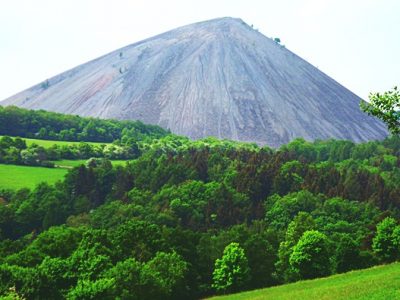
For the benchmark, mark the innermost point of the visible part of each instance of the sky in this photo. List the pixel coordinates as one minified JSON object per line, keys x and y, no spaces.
{"x":356,"y":42}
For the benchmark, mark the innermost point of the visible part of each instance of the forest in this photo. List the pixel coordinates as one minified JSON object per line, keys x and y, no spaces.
{"x":42,"y":124}
{"x":188,"y":219}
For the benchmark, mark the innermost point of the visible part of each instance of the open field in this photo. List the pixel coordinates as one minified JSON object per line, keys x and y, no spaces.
{"x":74,"y":163}
{"x":381,"y":282}
{"x":49,"y":143}
{"x":16,"y":177}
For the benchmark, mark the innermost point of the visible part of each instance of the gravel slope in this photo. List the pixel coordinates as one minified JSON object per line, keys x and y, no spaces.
{"x":219,"y":78}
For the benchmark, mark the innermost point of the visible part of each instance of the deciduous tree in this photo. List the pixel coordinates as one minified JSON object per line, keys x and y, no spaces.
{"x":231,"y":272}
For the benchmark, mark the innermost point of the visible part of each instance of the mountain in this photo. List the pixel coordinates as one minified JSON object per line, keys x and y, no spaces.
{"x":215,"y":78}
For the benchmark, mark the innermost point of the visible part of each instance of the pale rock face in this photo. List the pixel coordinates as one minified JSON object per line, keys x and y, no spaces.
{"x":215,"y":78}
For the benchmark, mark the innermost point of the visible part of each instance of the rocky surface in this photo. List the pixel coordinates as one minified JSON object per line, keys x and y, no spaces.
{"x":215,"y":78}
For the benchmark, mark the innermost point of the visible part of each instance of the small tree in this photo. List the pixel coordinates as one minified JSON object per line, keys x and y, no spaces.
{"x":231,"y":271}
{"x":277,"y":40}
{"x":164,"y":275}
{"x":45,"y":84}
{"x":310,"y":257}
{"x":300,"y":224}
{"x":386,"y":243}
{"x":386,"y":107}
{"x":348,"y":256}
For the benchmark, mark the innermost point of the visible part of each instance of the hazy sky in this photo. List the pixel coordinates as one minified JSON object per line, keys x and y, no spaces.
{"x":357,"y":42}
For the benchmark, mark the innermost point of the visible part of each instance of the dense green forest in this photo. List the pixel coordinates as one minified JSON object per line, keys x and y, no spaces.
{"x":187,"y":219}
{"x":42,"y":124}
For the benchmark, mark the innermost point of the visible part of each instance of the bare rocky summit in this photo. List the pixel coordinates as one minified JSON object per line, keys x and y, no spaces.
{"x":215,"y":78}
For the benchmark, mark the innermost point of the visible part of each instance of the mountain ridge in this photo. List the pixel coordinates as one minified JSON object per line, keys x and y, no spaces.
{"x":212,"y":78}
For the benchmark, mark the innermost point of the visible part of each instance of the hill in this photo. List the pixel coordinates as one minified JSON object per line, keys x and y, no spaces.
{"x":381,"y":282}
{"x":215,"y":78}
{"x":47,"y":125}
{"x":50,"y":143}
{"x":155,"y":228}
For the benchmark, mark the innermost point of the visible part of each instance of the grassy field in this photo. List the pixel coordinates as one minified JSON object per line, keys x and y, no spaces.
{"x":381,"y":282}
{"x":74,"y":163}
{"x":16,"y":177}
{"x":49,"y":143}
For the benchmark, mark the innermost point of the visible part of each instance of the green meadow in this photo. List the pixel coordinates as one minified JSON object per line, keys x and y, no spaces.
{"x":49,"y":143}
{"x":16,"y":177}
{"x":377,"y":283}
{"x":73,"y":163}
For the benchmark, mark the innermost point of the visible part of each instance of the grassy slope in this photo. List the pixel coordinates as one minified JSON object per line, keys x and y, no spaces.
{"x":77,"y":162}
{"x":49,"y":143}
{"x":382,"y":282}
{"x":15,"y":177}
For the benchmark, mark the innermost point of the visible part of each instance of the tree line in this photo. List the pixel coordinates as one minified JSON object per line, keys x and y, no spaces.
{"x":16,"y":151}
{"x":46,"y":125}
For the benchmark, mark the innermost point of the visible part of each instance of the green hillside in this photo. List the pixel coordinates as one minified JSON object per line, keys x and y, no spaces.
{"x":78,"y":162}
{"x":17,"y":177}
{"x":49,"y":143}
{"x":381,"y":282}
{"x":46,"y":125}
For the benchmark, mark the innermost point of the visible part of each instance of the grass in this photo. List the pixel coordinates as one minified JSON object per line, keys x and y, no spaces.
{"x":73,"y":163}
{"x":382,"y":282}
{"x":16,"y":177}
{"x":49,"y":143}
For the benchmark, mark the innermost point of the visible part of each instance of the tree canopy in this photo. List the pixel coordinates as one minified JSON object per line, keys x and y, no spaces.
{"x":386,"y":107}
{"x":186,"y":219}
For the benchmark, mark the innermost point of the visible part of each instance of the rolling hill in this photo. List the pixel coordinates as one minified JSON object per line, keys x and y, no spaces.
{"x":381,"y":282}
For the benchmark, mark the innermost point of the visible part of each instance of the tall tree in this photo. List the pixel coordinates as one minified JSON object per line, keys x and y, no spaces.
{"x":300,"y":224}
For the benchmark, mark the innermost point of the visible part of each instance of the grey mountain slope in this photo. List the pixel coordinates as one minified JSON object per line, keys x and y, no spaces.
{"x":214,"y":78}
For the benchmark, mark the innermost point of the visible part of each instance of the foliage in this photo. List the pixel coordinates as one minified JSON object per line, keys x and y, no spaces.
{"x":310,"y":257}
{"x":376,"y":283}
{"x":86,"y":289}
{"x":386,"y":107}
{"x":386,"y":243}
{"x":11,"y":295}
{"x":231,"y":271}
{"x":16,"y":151}
{"x":155,"y":226}
{"x":300,"y":224}
{"x":54,"y":126}
{"x":166,"y":271}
